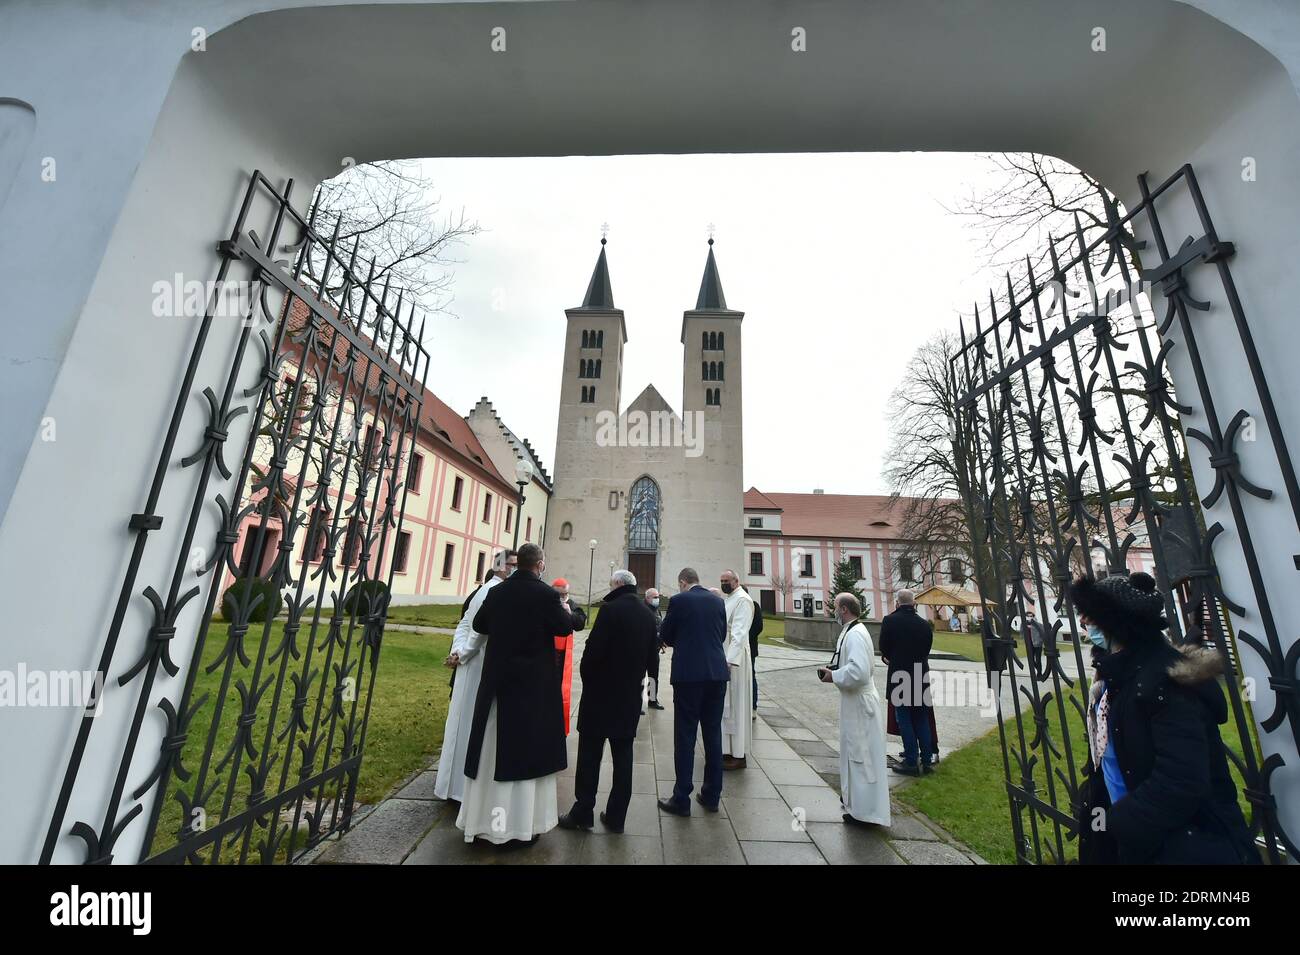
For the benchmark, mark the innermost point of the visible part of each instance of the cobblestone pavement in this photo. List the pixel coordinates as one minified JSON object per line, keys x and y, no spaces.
{"x":782,"y":809}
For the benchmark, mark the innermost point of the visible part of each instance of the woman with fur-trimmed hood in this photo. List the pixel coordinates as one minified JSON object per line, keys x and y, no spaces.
{"x":1159,"y":789}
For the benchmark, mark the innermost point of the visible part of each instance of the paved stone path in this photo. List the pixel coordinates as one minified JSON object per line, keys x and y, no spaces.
{"x":783,"y":809}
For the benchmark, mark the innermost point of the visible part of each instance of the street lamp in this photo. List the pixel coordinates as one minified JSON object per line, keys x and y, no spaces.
{"x":523,"y":474}
{"x":591,"y":566}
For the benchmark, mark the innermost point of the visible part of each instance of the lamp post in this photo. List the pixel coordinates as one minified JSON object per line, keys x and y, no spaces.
{"x":591,"y":567}
{"x":523,"y":474}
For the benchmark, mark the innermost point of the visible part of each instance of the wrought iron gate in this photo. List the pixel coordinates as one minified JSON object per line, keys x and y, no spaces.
{"x":1074,"y":458}
{"x":264,"y":722}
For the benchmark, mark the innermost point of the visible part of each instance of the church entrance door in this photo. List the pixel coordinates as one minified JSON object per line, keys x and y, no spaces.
{"x":643,"y":567}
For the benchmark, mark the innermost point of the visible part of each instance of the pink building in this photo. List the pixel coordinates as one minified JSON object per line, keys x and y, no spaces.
{"x":796,"y":540}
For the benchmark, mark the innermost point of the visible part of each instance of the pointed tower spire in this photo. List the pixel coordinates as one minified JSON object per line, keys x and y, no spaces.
{"x":599,"y":292}
{"x":711,"y":297}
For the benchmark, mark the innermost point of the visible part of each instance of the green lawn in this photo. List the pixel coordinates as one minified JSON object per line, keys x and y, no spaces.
{"x":426,"y":615}
{"x":967,"y":645}
{"x":967,"y":793}
{"x":407,"y":716}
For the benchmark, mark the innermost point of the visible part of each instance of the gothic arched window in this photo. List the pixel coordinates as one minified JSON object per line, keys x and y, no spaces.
{"x":597,"y":374}
{"x":584,"y":338}
{"x":643,"y":516}
{"x":600,"y":338}
{"x":720,"y":337}
{"x":566,"y":531}
{"x":704,"y":343}
{"x":719,"y":377}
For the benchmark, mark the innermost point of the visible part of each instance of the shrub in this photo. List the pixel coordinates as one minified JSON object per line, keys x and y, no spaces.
{"x":364,"y":596}
{"x":235,"y":597}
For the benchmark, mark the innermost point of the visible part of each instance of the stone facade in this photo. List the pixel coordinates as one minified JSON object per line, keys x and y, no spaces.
{"x":693,"y":456}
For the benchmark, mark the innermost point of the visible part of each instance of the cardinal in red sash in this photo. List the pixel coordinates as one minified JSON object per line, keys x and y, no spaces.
{"x":564,"y":646}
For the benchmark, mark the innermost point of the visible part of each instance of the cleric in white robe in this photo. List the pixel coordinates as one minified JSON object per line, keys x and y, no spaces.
{"x":467,"y":658}
{"x":737,"y":710}
{"x":863,"y":784}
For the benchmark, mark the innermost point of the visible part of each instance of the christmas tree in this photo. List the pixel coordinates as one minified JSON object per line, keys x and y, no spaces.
{"x":845,"y":581}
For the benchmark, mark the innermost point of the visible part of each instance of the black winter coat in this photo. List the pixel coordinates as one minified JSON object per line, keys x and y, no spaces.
{"x":521,"y":617}
{"x":1181,"y":808}
{"x":905,"y":641}
{"x":620,"y":648}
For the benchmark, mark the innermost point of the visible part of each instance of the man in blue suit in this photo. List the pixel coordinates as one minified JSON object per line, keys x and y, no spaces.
{"x":695,"y":627}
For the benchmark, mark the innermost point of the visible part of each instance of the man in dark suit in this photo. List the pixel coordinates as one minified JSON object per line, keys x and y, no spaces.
{"x":695,"y":627}
{"x":519,"y":695}
{"x":905,"y":641}
{"x":613,"y":665}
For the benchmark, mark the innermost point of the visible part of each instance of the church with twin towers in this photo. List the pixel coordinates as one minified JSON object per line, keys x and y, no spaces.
{"x":656,"y":488}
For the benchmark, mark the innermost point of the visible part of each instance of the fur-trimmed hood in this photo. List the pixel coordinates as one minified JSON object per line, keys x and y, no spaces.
{"x":1154,"y":669}
{"x":1195,"y":664}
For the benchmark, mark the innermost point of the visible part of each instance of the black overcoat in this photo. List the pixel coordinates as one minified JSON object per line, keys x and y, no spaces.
{"x":1166,"y":707}
{"x":521,"y":617}
{"x":905,"y":641}
{"x":622,"y":645}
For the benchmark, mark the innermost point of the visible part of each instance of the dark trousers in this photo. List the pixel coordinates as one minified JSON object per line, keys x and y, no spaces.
{"x":591,"y":749}
{"x":1036,"y":661}
{"x":652,"y":671}
{"x":698,"y":705}
{"x":914,"y":727}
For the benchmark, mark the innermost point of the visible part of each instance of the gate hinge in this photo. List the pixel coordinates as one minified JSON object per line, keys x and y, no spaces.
{"x":146,"y":522}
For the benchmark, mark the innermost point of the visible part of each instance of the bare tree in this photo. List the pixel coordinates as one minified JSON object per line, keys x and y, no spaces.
{"x":923,"y":463}
{"x":783,"y":585}
{"x":391,"y":209}
{"x":1033,"y":199}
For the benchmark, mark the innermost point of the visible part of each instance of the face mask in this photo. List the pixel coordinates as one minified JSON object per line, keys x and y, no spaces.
{"x":654,"y":602}
{"x":1096,"y":636}
{"x":727,"y":588}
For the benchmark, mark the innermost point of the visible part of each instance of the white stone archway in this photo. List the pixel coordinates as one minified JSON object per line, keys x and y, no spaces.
{"x":153,"y":142}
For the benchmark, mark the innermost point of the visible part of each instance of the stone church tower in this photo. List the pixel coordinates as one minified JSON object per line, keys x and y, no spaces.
{"x":657,"y":489}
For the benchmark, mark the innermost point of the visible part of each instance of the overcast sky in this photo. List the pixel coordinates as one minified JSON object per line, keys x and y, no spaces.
{"x":842,"y":264}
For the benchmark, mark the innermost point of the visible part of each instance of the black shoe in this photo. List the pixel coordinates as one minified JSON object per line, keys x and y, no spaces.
{"x":567,"y":821}
{"x":700,"y":799}
{"x":604,"y":821}
{"x":908,"y":769}
{"x":670,"y":807}
{"x":656,"y":705}
{"x":850,"y":821}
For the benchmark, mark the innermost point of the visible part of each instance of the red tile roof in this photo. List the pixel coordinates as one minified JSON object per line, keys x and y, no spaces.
{"x":756,"y":500}
{"x":855,"y":516}
{"x":441,"y":428}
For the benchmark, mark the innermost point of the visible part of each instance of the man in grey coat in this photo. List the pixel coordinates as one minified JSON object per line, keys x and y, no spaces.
{"x":1034,"y":637}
